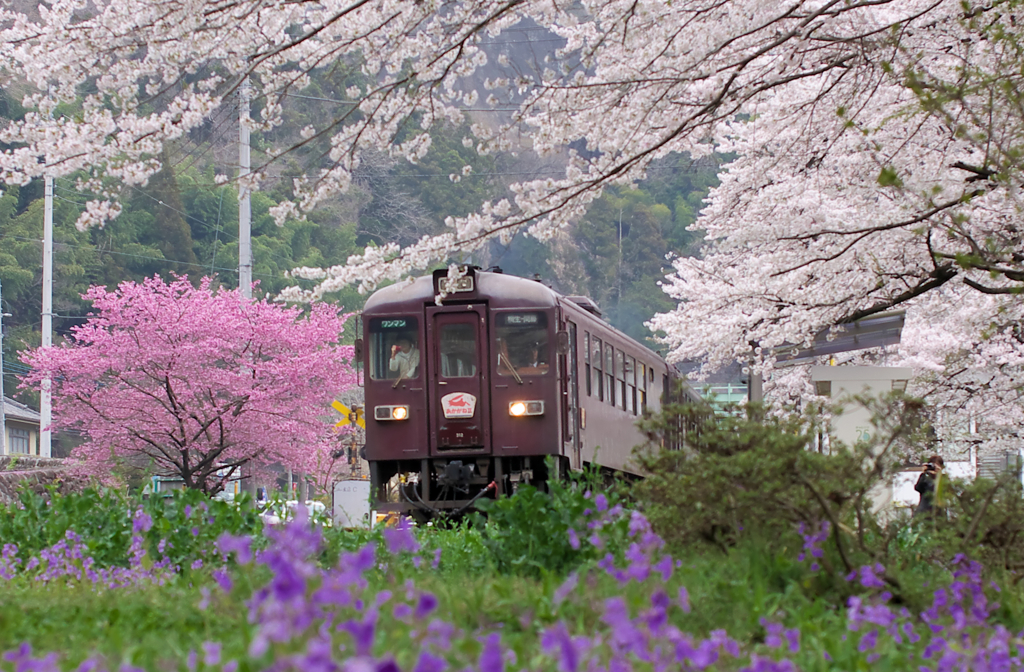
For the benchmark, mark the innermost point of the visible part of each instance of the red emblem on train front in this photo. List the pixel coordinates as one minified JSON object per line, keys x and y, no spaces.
{"x":458,"y":405}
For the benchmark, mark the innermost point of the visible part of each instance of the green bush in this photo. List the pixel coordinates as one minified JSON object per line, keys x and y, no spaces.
{"x":529,"y":532}
{"x":752,"y":475}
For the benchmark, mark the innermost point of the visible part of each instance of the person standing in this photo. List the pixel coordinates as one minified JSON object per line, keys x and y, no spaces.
{"x":928,"y":485}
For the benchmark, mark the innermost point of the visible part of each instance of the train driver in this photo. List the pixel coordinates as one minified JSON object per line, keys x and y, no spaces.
{"x":405,"y":358}
{"x":535,"y":360}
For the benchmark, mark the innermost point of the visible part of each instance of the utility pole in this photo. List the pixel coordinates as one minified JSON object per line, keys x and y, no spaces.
{"x":244,"y":206}
{"x":44,"y":398}
{"x":3,"y":402}
{"x":244,"y":227}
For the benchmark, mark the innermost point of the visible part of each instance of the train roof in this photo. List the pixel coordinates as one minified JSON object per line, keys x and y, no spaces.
{"x":499,"y":289}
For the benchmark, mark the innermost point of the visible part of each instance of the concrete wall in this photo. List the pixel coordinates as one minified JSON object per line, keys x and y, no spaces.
{"x":852,"y":423}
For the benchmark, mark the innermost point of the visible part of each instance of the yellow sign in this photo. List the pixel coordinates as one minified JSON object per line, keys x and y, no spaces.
{"x":349,"y":416}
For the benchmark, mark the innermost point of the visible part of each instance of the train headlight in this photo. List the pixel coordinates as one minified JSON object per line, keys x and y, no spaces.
{"x":390,"y":412}
{"x":520,"y":408}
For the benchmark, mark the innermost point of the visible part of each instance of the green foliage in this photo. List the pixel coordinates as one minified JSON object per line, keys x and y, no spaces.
{"x":188,"y":522}
{"x":186,"y":526}
{"x":626,"y":236}
{"x":747,"y":476}
{"x":528,"y":533}
{"x":36,"y":522}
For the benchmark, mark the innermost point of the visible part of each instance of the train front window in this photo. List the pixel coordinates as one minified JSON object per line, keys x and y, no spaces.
{"x":458,"y":350}
{"x":522,"y":344}
{"x":394,"y":348}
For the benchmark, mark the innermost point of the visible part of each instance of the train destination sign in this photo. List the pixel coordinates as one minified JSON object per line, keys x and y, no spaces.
{"x":522,"y":319}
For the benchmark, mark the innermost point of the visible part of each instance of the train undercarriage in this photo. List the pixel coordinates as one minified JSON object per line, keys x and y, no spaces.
{"x":451,"y":486}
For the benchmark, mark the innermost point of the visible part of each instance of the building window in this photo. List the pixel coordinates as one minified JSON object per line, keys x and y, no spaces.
{"x":19,"y":441}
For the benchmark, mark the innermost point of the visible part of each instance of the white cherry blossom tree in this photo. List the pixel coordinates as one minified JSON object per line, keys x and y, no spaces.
{"x":876,"y":143}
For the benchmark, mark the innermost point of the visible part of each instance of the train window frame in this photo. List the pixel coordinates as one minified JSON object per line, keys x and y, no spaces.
{"x":458,"y":357}
{"x":503,"y":331}
{"x":609,"y":373}
{"x":620,"y":377}
{"x":384,"y":332}
{"x":642,"y":387}
{"x":598,"y":370}
{"x":631,"y":382}
{"x":586,"y":358}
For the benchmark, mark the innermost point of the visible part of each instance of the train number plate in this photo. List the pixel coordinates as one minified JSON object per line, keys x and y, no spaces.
{"x":458,"y":405}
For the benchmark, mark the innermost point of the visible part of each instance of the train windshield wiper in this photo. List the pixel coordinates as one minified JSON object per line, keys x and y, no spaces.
{"x":509,"y":366}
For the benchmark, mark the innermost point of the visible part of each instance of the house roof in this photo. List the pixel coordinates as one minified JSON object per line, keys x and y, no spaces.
{"x":15,"y":410}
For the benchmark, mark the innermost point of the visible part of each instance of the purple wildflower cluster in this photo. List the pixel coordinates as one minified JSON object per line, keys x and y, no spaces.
{"x":69,"y":560}
{"x":813,"y":540}
{"x":329,"y":620}
{"x":954,"y":633}
{"x":308,"y":617}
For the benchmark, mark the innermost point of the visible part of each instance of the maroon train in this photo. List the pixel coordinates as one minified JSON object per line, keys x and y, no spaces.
{"x":466,"y":399}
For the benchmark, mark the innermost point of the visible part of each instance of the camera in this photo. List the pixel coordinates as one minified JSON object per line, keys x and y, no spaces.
{"x":930,"y":467}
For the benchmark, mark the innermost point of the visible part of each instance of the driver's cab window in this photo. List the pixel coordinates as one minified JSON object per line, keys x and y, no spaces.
{"x":394,"y":348}
{"x":522,"y":344}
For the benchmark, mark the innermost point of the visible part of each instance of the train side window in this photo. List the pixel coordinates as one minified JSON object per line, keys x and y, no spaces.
{"x":609,"y":373}
{"x":522,"y":344}
{"x":642,"y":386}
{"x":458,"y":350}
{"x":620,"y":374}
{"x":595,"y":345}
{"x":394,"y":348}
{"x":631,"y":383}
{"x":586,"y":359}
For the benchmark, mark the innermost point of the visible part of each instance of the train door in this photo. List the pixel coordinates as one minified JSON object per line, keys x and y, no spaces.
{"x":571,"y":401}
{"x":459,"y":399}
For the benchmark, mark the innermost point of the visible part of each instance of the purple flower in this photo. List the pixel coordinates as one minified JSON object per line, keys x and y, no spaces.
{"x":664,"y":567}
{"x":557,"y":639}
{"x":868,"y":641}
{"x":425,"y":605}
{"x":362,"y":632}
{"x":240,"y":546}
{"x":223,"y":580}
{"x":574,"y":539}
{"x":490,"y":658}
{"x":566,"y":588}
{"x":684,"y":599}
{"x":428,"y":662}
{"x":400,"y":537}
{"x":142,"y":522}
{"x":437,"y":559}
{"x":601,"y":502}
{"x":211,"y":653}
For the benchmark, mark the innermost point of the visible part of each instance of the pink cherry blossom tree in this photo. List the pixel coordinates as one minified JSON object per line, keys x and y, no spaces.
{"x":199,"y":381}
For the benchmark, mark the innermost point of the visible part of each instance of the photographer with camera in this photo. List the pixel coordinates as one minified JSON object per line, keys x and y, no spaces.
{"x":928,"y":484}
